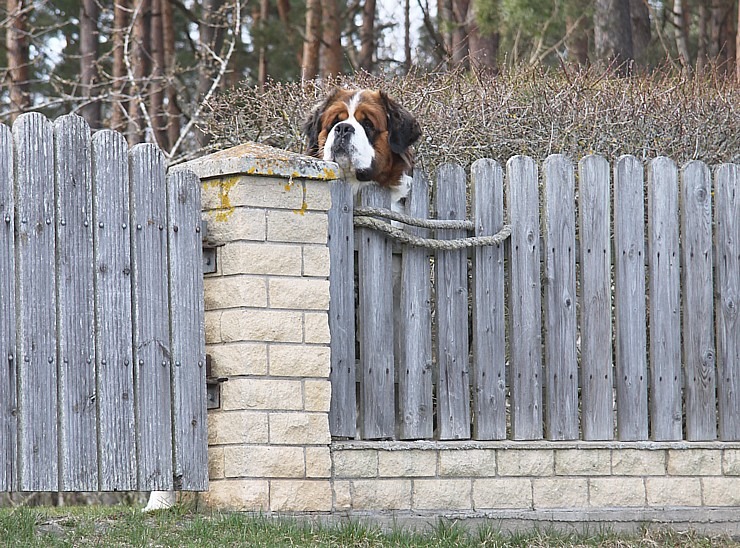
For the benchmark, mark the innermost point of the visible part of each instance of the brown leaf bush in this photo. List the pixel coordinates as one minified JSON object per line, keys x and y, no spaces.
{"x":532,"y":111}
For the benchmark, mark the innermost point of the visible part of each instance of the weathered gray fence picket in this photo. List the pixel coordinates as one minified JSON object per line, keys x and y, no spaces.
{"x":101,"y":314}
{"x":531,"y":366}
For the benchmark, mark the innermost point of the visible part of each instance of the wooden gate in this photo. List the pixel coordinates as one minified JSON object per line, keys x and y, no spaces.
{"x":102,"y":384}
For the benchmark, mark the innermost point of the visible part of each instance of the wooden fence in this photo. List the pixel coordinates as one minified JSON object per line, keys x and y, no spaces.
{"x":102,"y":384}
{"x":611,"y":312}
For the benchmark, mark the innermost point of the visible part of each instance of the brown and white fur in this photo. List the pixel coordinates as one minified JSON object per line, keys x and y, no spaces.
{"x":368,"y":134}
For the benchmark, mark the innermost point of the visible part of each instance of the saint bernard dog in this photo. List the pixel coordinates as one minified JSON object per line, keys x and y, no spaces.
{"x":368,"y":134}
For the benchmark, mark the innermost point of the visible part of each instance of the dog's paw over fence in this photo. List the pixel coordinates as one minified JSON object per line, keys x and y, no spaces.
{"x":581,"y":369}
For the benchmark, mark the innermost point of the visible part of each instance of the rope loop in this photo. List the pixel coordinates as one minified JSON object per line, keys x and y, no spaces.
{"x":364,"y":218}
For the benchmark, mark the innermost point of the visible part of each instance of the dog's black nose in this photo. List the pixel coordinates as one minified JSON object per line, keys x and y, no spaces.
{"x":344,"y":130}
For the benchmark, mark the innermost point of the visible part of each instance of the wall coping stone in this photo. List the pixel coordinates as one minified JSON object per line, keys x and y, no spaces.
{"x":258,"y":159}
{"x":429,"y":445}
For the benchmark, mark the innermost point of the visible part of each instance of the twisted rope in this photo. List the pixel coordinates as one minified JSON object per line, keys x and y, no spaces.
{"x":361,"y":220}
{"x":367,"y":211}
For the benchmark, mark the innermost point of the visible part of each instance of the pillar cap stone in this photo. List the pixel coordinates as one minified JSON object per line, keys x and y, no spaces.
{"x":258,"y":159}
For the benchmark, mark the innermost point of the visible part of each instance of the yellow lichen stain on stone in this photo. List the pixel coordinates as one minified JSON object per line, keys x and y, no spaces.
{"x":329,"y":174}
{"x":225,"y":185}
{"x":304,"y":208}
{"x":290,"y":184}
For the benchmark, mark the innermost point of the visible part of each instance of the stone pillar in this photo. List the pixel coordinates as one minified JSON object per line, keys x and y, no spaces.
{"x":267,"y":328}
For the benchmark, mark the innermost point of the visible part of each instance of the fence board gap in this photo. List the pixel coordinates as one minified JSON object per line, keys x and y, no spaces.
{"x":376,"y":331}
{"x":489,"y":346}
{"x":451,"y":268}
{"x":561,"y":363}
{"x":698,"y":306}
{"x":727,"y":268}
{"x":415,"y":375}
{"x":8,"y":394}
{"x":525,"y":316}
{"x":665,"y":305}
{"x":113,"y":332}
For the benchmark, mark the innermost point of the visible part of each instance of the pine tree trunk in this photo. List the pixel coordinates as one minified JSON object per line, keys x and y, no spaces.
{"x":407,"y":36}
{"x":483,"y":47}
{"x":367,"y":36}
{"x":640,"y":17}
{"x":577,"y":33}
{"x":613,"y":33}
{"x":140,"y":62}
{"x":16,"y":42}
{"x":737,"y":47}
{"x":211,"y":35}
{"x":173,"y":110}
{"x":119,"y":104}
{"x":702,"y":37}
{"x":680,"y":26}
{"x":310,"y":65}
{"x":90,"y":110}
{"x":156,"y":98}
{"x":460,"y":49}
{"x":261,"y":19}
{"x":331,"y":55}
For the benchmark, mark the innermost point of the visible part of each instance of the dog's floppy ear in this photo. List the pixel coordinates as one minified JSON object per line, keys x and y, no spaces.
{"x":312,"y":124}
{"x":403,"y":129}
{"x":311,"y":128}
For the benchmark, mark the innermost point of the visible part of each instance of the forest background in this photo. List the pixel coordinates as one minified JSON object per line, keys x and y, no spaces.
{"x":484,"y":77}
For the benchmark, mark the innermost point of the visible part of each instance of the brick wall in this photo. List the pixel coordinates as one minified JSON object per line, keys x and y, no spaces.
{"x":269,"y":443}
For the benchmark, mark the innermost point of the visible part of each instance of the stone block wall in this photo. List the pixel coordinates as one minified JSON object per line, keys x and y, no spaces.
{"x":269,"y":444}
{"x":267,"y":329}
{"x":486,"y":477}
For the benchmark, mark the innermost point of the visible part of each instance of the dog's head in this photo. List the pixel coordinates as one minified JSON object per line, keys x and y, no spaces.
{"x":366,"y":132}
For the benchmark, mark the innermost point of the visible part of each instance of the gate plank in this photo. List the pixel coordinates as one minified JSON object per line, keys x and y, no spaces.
{"x":188,"y":332}
{"x":415,"y":386}
{"x":113,"y":331}
{"x":152,"y":357}
{"x":560,"y":300}
{"x":665,"y":302}
{"x":8,"y":396}
{"x":629,"y":302}
{"x":343,"y":408}
{"x":376,"y":328}
{"x":489,"y":346}
{"x":525,"y":316}
{"x":77,"y":392}
{"x":597,"y":414}
{"x":698,"y":324}
{"x":37,"y":322}
{"x":727,"y":215}
{"x":453,"y":392}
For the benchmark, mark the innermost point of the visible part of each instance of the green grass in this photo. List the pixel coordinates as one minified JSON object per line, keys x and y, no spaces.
{"x":126,"y":526}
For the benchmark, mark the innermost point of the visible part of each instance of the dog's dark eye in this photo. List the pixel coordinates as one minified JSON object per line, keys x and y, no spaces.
{"x":367,"y":124}
{"x":334,"y":122}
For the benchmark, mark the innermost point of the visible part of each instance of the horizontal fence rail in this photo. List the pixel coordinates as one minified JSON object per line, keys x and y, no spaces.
{"x":101,"y":314}
{"x":611,"y":312}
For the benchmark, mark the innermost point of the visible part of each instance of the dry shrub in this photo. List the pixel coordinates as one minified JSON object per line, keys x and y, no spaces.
{"x":466,"y":116}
